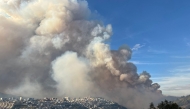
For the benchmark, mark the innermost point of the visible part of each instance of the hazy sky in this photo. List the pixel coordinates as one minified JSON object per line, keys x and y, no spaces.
{"x":158,"y":31}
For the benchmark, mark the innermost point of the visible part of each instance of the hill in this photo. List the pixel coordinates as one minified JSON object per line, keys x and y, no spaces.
{"x":183,"y":101}
{"x":64,"y":103}
{"x":3,"y":95}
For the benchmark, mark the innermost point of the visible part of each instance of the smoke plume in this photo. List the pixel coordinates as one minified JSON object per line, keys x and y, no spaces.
{"x":52,"y":48}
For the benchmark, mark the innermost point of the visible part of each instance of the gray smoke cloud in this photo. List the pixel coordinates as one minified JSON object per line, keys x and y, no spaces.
{"x":51,"y":48}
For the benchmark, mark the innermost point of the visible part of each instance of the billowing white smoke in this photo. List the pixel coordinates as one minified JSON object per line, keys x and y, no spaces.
{"x":52,"y":48}
{"x":71,"y":74}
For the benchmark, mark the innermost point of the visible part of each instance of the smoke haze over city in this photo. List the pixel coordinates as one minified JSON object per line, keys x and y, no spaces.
{"x":55,"y":48}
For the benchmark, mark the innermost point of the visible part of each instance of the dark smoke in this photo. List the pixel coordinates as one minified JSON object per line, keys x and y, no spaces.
{"x":51,"y":48}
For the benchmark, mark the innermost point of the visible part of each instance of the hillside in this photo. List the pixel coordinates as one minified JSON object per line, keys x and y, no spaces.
{"x":184,"y":101}
{"x":65,"y":103}
{"x":3,"y":95}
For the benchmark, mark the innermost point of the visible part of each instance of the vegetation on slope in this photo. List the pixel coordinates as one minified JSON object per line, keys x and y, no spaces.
{"x":184,"y":101}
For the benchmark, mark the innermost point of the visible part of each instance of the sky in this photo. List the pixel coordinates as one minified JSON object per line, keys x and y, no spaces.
{"x":158,"y":32}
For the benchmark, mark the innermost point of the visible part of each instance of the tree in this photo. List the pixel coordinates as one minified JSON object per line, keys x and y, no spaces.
{"x":152,"y":106}
{"x":165,"y":105}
